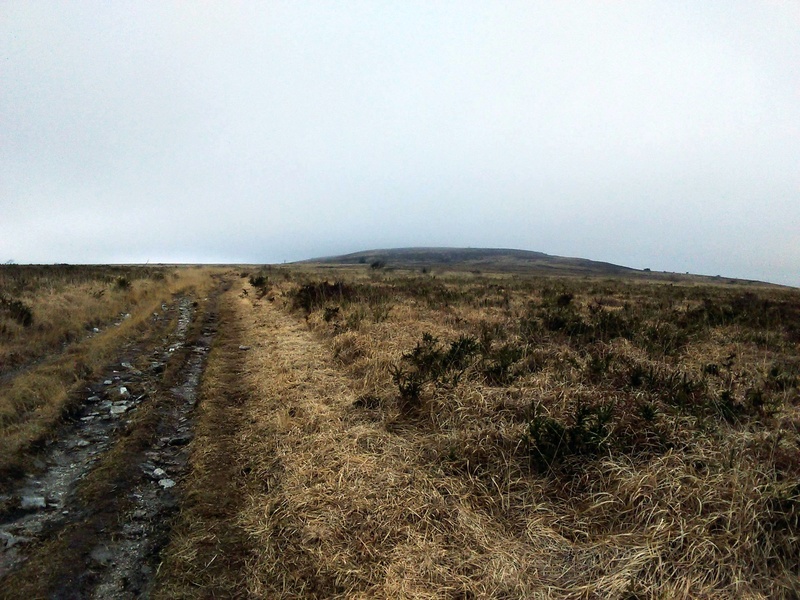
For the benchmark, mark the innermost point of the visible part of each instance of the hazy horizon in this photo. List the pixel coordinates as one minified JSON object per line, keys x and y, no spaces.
{"x":653,"y":135}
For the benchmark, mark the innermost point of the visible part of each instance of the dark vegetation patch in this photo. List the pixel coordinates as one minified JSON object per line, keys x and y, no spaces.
{"x":312,"y":296}
{"x":17,"y":310}
{"x":260,"y":281}
{"x":444,"y":365}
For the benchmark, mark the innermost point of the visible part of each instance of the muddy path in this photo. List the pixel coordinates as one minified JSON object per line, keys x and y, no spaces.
{"x":90,"y":521}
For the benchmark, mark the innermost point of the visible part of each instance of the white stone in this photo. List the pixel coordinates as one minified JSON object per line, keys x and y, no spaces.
{"x":29,"y":502}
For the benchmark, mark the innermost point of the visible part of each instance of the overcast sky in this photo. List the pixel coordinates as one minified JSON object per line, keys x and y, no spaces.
{"x":649,"y":134}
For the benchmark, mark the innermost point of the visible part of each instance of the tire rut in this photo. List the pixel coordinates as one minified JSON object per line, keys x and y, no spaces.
{"x":90,"y":523}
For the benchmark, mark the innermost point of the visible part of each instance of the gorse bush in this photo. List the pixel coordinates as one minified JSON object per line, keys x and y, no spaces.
{"x":606,"y":324}
{"x":258,"y":280}
{"x":613,"y":426}
{"x":17,"y":310}
{"x":563,"y":318}
{"x":445,"y":365}
{"x":550,"y":441}
{"x":261,"y":283}
{"x":409,"y":384}
{"x":431,"y":362}
{"x":312,"y":296}
{"x":498,"y":365}
{"x":560,"y":315}
{"x":564,"y":300}
{"x":783,"y":376}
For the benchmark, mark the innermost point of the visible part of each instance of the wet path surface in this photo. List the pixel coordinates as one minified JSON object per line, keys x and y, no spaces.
{"x":129,"y":440}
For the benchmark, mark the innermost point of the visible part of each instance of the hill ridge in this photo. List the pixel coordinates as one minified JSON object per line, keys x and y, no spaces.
{"x":502,"y":259}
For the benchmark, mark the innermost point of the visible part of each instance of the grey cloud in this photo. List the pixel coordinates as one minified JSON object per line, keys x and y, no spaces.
{"x":647,"y":134}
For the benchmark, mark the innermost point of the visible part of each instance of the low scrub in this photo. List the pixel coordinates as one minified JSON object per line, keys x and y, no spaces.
{"x":315,"y":295}
{"x":445,"y":365}
{"x":17,"y":310}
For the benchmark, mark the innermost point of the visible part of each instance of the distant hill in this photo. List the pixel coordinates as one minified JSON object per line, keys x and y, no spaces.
{"x":477,"y":259}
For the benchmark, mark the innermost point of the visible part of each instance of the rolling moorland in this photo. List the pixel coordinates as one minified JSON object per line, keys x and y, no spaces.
{"x":423,"y":423}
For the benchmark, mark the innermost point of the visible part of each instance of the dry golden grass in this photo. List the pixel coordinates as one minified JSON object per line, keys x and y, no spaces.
{"x":352,"y":493}
{"x":66,"y":302}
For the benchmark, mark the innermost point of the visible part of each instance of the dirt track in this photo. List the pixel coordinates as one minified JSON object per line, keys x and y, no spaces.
{"x":90,"y":520}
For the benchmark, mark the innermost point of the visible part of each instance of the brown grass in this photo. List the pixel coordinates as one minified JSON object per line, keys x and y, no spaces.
{"x":351,"y":493}
{"x":66,"y":302}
